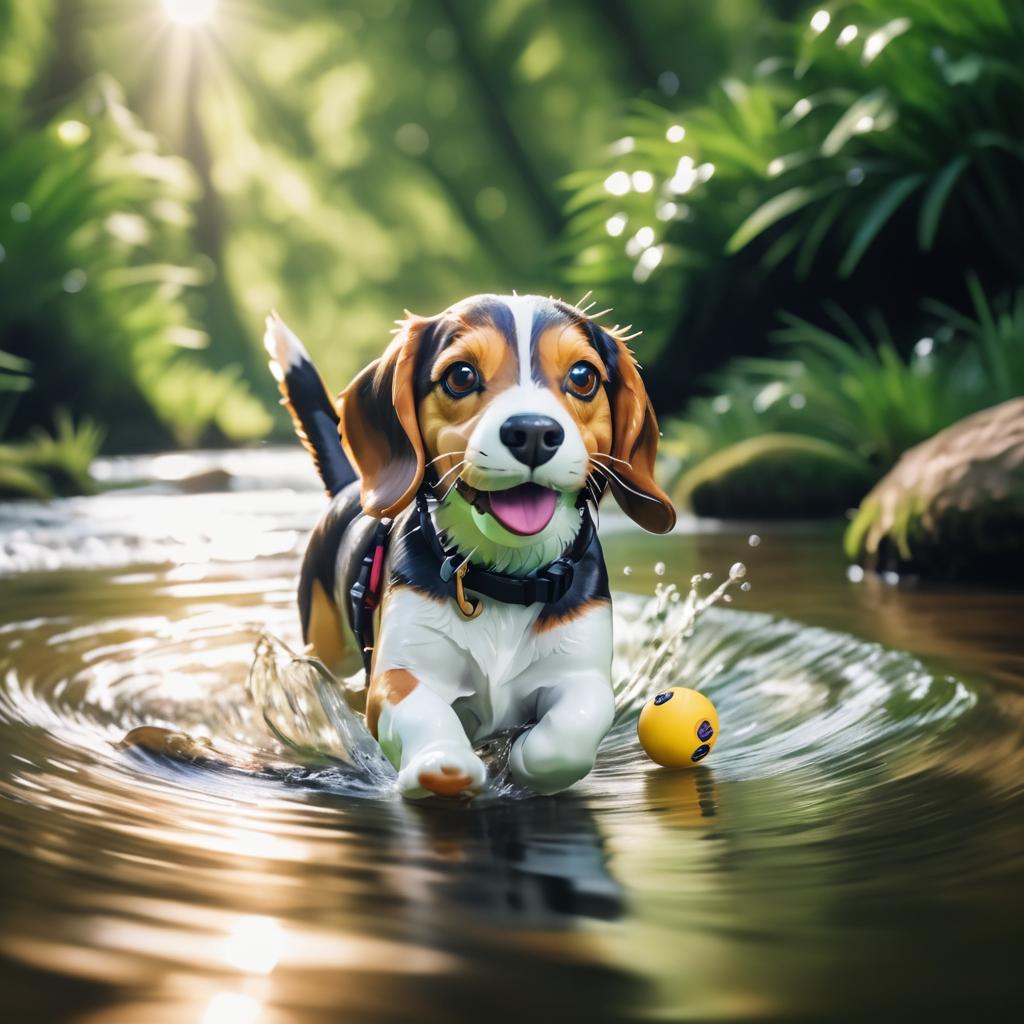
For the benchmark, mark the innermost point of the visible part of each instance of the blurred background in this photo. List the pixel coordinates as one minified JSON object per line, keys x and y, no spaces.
{"x":812,"y":212}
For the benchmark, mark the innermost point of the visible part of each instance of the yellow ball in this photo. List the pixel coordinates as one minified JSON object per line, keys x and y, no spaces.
{"x":678,"y":727}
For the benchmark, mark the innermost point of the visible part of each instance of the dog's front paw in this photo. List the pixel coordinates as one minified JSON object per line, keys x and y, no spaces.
{"x":442,"y":771}
{"x":540,"y":763}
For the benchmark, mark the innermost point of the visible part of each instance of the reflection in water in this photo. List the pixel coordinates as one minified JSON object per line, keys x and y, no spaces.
{"x":232,"y":1008}
{"x":254,"y":944}
{"x":850,"y":849}
{"x":539,"y":861}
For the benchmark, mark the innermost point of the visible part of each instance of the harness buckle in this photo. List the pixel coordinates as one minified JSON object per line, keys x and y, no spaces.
{"x":559,"y":574}
{"x":468,"y":608}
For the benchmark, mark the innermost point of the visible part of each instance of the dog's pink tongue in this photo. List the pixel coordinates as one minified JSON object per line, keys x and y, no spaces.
{"x":525,"y":509}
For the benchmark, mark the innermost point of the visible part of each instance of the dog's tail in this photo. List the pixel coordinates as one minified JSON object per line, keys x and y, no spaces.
{"x":307,"y":399}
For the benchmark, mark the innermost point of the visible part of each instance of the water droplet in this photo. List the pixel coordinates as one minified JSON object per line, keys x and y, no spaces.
{"x":72,"y":133}
{"x":675,"y":133}
{"x":20,"y":213}
{"x":617,"y":184}
{"x":707,"y":575}
{"x":892,"y":578}
{"x":615,"y":224}
{"x":737,"y":571}
{"x":627,"y":570}
{"x":854,"y":176}
{"x":924,"y":347}
{"x":668,"y":82}
{"x":820,"y":21}
{"x":745,"y":586}
{"x":854,"y":573}
{"x":74,"y":281}
{"x":643,"y":181}
{"x":753,"y":540}
{"x":659,"y":568}
{"x":645,"y":236}
{"x":649,"y":259}
{"x":847,"y":36}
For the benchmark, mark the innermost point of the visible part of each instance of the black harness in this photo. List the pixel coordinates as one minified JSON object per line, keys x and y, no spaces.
{"x":457,"y":575}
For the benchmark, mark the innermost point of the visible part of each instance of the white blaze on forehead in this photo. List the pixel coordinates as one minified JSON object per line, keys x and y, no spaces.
{"x":523,"y":308}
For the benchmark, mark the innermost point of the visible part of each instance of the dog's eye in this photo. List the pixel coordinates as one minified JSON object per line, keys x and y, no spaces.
{"x":582,"y":381}
{"x":460,"y":379}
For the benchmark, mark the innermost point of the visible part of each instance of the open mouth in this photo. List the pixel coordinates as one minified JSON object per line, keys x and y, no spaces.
{"x":524,"y":510}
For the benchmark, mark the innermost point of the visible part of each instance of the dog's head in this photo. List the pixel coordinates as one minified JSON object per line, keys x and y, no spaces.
{"x":522,"y":399}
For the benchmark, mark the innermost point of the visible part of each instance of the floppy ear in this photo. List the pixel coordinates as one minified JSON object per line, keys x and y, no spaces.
{"x":634,"y":438}
{"x":379,"y":428}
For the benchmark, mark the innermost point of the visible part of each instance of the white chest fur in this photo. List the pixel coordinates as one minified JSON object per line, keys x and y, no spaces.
{"x":495,"y":665}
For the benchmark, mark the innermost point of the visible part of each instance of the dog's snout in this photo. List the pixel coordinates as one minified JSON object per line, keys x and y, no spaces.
{"x":532,"y":439}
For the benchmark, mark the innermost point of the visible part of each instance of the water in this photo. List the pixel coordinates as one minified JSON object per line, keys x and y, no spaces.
{"x":852,"y":846}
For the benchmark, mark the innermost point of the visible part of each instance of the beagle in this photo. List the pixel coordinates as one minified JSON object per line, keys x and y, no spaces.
{"x":458,"y":551}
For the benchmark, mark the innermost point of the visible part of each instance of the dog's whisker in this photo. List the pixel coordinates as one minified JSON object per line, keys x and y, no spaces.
{"x":458,"y":465}
{"x":455,"y":483}
{"x":447,"y":455}
{"x":612,"y":475}
{"x":603,"y":455}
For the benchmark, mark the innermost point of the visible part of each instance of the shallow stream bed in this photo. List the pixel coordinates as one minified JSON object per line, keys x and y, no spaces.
{"x":852,"y":848}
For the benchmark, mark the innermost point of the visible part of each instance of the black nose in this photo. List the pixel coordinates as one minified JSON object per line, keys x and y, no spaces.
{"x":531,"y":439}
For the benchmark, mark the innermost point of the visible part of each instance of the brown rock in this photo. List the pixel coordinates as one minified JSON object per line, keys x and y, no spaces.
{"x":953,"y":506}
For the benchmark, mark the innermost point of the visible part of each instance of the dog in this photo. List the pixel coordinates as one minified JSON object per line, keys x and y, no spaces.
{"x":458,"y":552}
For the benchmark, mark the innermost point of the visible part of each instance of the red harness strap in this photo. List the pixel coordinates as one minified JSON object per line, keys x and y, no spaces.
{"x":364,"y":597}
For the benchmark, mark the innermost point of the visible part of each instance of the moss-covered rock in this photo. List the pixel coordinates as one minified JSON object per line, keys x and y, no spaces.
{"x":775,"y":476}
{"x":952,"y":506}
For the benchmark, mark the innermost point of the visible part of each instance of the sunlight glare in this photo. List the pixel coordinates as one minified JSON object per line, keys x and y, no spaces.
{"x":190,"y":12}
{"x":254,"y":944}
{"x":232,"y":1008}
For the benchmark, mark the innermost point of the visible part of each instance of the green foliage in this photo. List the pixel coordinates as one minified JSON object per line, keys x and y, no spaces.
{"x":51,"y":464}
{"x":870,"y":160}
{"x":357,"y":158}
{"x":852,"y":388}
{"x":87,"y":290}
{"x":775,"y":476}
{"x":337,"y":160}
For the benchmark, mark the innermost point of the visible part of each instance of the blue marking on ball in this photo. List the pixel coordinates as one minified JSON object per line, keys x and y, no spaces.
{"x":700,"y":753}
{"x":662,"y":698}
{"x":704,"y":731}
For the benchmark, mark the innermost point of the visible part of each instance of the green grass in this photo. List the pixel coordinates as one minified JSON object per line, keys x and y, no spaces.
{"x":47,"y":465}
{"x":849,"y":384}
